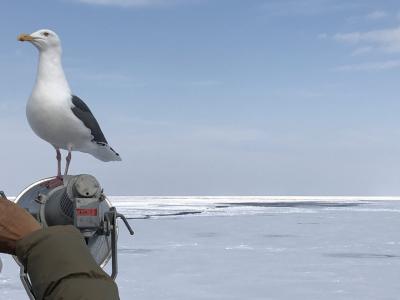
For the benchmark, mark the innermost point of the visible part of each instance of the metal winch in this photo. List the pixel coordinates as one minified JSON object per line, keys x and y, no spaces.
{"x":79,"y":201}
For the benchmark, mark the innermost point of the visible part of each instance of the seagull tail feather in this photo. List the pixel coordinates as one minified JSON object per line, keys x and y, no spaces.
{"x":104,"y":152}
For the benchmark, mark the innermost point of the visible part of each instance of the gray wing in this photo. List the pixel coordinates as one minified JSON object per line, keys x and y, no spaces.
{"x":83,"y":113}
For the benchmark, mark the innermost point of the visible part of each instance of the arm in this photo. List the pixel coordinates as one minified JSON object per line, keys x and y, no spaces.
{"x":60,"y":266}
{"x":56,"y":258}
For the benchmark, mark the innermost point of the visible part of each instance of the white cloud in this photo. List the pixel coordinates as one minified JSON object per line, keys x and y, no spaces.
{"x":371,"y":66}
{"x":373,"y":16}
{"x":103,"y":78}
{"x":123,"y":2}
{"x":205,"y":83}
{"x":387,"y":40}
{"x":226,"y":135}
{"x":323,"y":36}
{"x":307,"y":7}
{"x":376,"y":15}
{"x":134,"y":3}
{"x":361,"y":50}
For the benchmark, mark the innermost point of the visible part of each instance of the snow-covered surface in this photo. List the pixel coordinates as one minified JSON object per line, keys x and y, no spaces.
{"x":253,"y":248}
{"x":144,"y":207}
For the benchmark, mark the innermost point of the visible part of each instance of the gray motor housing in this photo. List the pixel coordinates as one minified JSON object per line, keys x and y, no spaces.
{"x":77,"y":203}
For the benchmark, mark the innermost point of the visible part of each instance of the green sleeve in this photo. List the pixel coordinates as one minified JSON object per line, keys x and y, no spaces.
{"x":60,"y":266}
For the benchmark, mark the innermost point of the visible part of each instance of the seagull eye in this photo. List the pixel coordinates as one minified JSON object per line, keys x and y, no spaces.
{"x":45,"y":33}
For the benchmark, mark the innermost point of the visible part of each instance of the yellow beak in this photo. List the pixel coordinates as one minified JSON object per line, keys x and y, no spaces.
{"x":25,"y":37}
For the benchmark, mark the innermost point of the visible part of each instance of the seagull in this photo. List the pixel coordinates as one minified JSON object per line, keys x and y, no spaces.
{"x":55,"y":114}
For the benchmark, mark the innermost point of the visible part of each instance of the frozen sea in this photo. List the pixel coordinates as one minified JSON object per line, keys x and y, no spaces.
{"x":253,"y":248}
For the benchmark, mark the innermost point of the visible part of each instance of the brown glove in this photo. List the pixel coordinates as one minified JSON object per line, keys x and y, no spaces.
{"x":15,"y":224}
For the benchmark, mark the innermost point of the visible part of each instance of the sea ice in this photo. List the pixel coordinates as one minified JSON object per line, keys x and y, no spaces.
{"x":214,"y":248}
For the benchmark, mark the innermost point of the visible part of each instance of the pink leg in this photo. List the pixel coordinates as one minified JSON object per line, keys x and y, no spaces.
{"x":58,"y":180}
{"x":68,"y":159}
{"x":58,"y":163}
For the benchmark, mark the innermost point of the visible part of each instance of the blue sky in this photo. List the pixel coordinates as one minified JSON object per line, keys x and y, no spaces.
{"x":216,"y":97}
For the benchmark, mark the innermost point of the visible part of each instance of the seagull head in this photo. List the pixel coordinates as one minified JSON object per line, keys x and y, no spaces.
{"x":43,"y":39}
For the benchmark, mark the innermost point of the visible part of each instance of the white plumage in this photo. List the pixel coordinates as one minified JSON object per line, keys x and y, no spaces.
{"x":54,"y":113}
